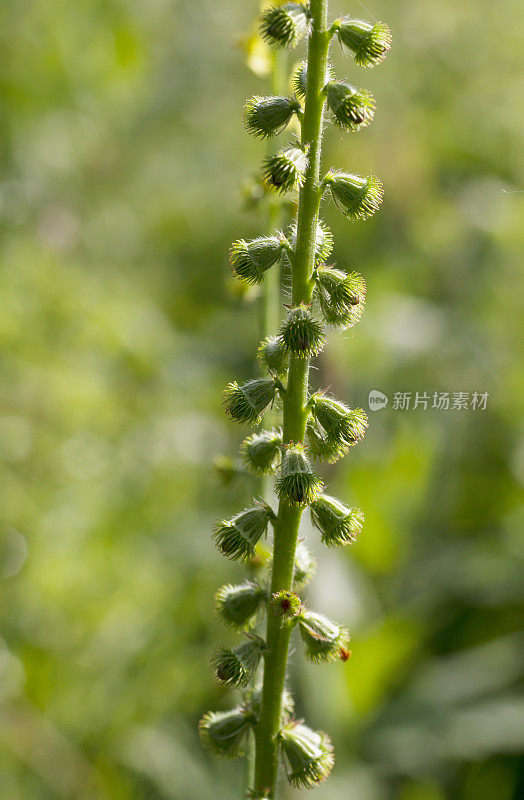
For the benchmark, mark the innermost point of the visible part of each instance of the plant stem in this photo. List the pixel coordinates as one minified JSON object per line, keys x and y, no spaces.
{"x":295,"y":413}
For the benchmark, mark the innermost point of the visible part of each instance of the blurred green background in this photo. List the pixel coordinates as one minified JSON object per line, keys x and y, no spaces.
{"x":122,"y":158}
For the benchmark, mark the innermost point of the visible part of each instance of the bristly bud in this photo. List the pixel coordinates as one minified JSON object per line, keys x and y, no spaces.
{"x":352,"y":108}
{"x":236,"y":667}
{"x":250,"y":260}
{"x":302,"y":334}
{"x":286,"y":170}
{"x":323,"y":241}
{"x":299,"y":79}
{"x":343,"y":426}
{"x":308,"y":755}
{"x":323,"y":639}
{"x":261,"y":451}
{"x":342,"y":296}
{"x":369,"y":43}
{"x":223,"y":732}
{"x":246,"y":402}
{"x":272,"y":355}
{"x":355,"y":196}
{"x":284,"y":26}
{"x":265,"y":117}
{"x":237,"y":537}
{"x":297,"y":482}
{"x":338,"y":524}
{"x":253,"y":701}
{"x":237,"y":605}
{"x":318,"y":446}
{"x":305,"y":566}
{"x":286,"y":604}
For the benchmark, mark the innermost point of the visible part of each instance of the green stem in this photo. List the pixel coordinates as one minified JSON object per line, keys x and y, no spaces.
{"x":295,"y":413}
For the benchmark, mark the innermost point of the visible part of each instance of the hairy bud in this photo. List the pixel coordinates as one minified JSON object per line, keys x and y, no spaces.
{"x":237,"y":537}
{"x":308,"y":755}
{"x":284,"y":26}
{"x":237,"y":666}
{"x":353,"y":109}
{"x":246,"y":402}
{"x":253,"y":702}
{"x":299,"y":79}
{"x":261,"y":451}
{"x":323,"y":241}
{"x":323,"y":639}
{"x":343,"y":426}
{"x":305,"y":566}
{"x":369,"y":43}
{"x":338,"y":524}
{"x":272,"y":355}
{"x":265,"y":117}
{"x":297,"y":482}
{"x":302,"y":334}
{"x":237,"y":605}
{"x":355,"y":196}
{"x":223,"y":733}
{"x":286,"y":604}
{"x":250,"y":260}
{"x":318,"y":446}
{"x":285,"y":171}
{"x":342,"y":296}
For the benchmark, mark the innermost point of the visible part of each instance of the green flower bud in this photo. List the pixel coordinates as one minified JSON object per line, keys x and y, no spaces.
{"x":355,"y":196}
{"x":369,"y":43}
{"x":250,"y":260}
{"x":342,"y":426}
{"x":299,"y":79}
{"x":352,"y":108}
{"x":272,"y":355}
{"x":237,"y":537}
{"x":324,"y":640}
{"x":286,"y":170}
{"x":297,"y":482}
{"x":246,"y":402}
{"x":323,"y":241}
{"x":253,"y":702}
{"x":302,"y":334}
{"x":305,"y":566}
{"x":223,"y":732}
{"x":265,"y":117}
{"x":237,"y":605}
{"x":338,"y":524}
{"x":318,"y":446}
{"x":308,"y":755}
{"x":342,"y":296}
{"x":236,"y":667}
{"x":286,"y":604}
{"x":261,"y":451}
{"x":284,"y":26}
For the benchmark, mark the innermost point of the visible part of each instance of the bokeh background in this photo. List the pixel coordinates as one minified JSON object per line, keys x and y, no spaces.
{"x":122,"y":163}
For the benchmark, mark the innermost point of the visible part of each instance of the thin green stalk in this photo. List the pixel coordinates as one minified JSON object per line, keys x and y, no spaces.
{"x":295,"y":412}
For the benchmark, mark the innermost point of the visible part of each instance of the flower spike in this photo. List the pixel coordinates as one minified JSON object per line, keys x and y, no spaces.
{"x":237,"y":605}
{"x":323,"y":639}
{"x":261,"y":451}
{"x":223,"y":733}
{"x":308,"y":755}
{"x":353,"y":109}
{"x":236,"y":667}
{"x":369,"y":43}
{"x":285,"y":171}
{"x":355,"y":196}
{"x":297,"y":484}
{"x":265,"y":117}
{"x":301,"y":334}
{"x":284,"y":26}
{"x":338,"y":524}
{"x":237,"y":537}
{"x":246,"y":402}
{"x":342,"y":296}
